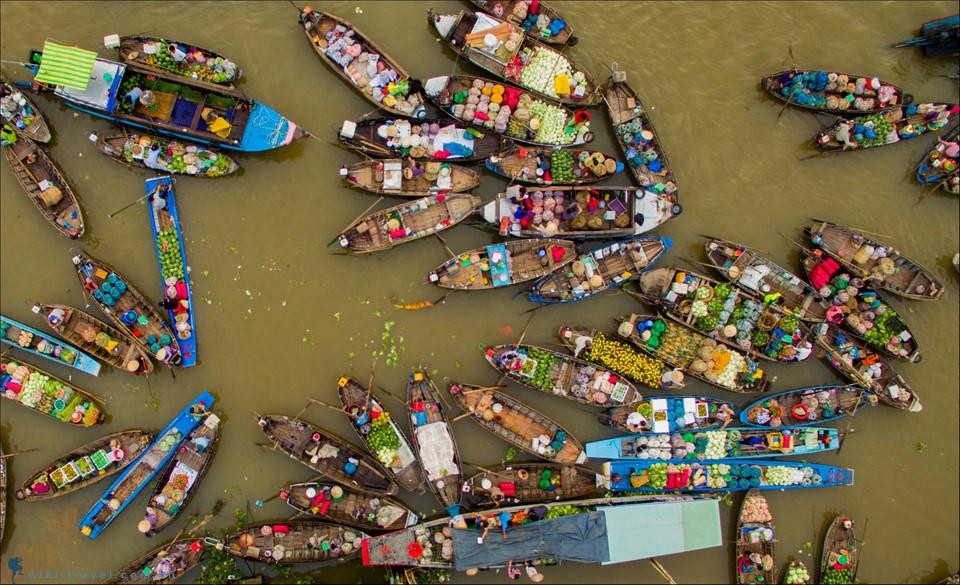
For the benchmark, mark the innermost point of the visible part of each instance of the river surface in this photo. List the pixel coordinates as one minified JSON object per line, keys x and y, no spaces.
{"x":280,"y":318}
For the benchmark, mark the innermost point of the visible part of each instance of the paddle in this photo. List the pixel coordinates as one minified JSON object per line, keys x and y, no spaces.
{"x":879,"y":235}
{"x":331,"y":407}
{"x":128,"y":206}
{"x":358,"y":218}
{"x":663,"y":571}
{"x":5,"y":455}
{"x":446,"y":248}
{"x":481,"y":468}
{"x":373,"y":370}
{"x":863,"y":543}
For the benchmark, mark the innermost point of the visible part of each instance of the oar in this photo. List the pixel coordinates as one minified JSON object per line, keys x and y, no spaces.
{"x":460,"y":416}
{"x":5,"y":455}
{"x":373,"y":370}
{"x":446,"y":248}
{"x":331,"y":407}
{"x":663,"y":571}
{"x":359,"y":217}
{"x":127,"y":206}
{"x":863,"y":544}
{"x":481,"y":468}
{"x":879,"y":235}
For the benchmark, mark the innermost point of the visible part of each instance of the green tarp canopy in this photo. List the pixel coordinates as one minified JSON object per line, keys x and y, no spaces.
{"x":642,"y":531}
{"x":65,"y":66}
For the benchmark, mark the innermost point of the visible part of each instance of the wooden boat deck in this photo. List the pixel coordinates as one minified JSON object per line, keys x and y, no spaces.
{"x":32,"y":167}
{"x":168,"y":563}
{"x":368,"y":175}
{"x":417,"y":219}
{"x":467,"y":271}
{"x":302,"y":543}
{"x":839,"y":538}
{"x":354,"y":508}
{"x":131,"y":51}
{"x":115,"y":148}
{"x":767,"y":571}
{"x":444,"y":482}
{"x":367,"y":141}
{"x":38,"y":129}
{"x":843,"y":400}
{"x":575,"y":482}
{"x":565,"y":36}
{"x":523,"y":169}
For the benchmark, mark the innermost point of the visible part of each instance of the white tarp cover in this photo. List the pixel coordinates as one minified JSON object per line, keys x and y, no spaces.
{"x":436,"y":449}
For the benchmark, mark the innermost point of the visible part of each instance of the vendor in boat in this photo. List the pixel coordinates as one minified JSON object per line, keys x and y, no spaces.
{"x":724,"y":415}
{"x":153,"y":156}
{"x":306,"y":15}
{"x":133,"y":96}
{"x":636,"y":422}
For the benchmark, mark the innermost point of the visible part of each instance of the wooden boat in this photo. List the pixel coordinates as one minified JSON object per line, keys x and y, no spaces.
{"x":164,"y":564}
{"x":419,"y":139}
{"x":45,"y":185}
{"x":563,"y":375}
{"x":518,"y":424}
{"x":855,"y":251}
{"x":796,"y":573}
{"x":293,"y":541}
{"x":939,"y":37}
{"x":503,"y":264}
{"x":749,"y":270}
{"x":407,"y":222}
{"x":343,"y":505}
{"x":840,"y":556}
{"x":606,"y":267}
{"x":327,"y":454}
{"x":898,"y":124}
{"x":172,"y":262}
{"x":626,"y":475}
{"x":639,"y":140}
{"x":668,"y":414}
{"x":3,"y":492}
{"x":176,"y":157}
{"x":200,"y":65}
{"x":128,"y":308}
{"x":380,"y":433}
{"x":684,"y":349}
{"x":43,"y":392}
{"x":141,"y":472}
{"x":732,"y":315}
{"x":518,"y":12}
{"x":806,"y":406}
{"x":85,"y":466}
{"x":521,"y":116}
{"x":824,"y":91}
{"x":465,"y":33}
{"x":887,"y":331}
{"x":850,"y":357}
{"x":953,"y":579}
{"x":573,"y":166}
{"x":178,"y":482}
{"x":366,"y":70}
{"x":104,"y":341}
{"x":755,"y":538}
{"x":433,"y":440}
{"x":24,"y":114}
{"x":530,"y":483}
{"x":732,"y":442}
{"x":405,"y":178}
{"x":46,"y":346}
{"x":939,"y":167}
{"x":576,"y":212}
{"x":593,"y":346}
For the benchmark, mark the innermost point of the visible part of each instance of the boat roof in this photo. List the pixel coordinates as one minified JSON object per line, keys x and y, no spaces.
{"x":66,"y":66}
{"x":642,"y":531}
{"x":101,"y":89}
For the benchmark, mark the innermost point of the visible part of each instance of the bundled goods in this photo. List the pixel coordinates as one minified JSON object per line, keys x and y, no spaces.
{"x":717,"y":474}
{"x":428,"y":140}
{"x":755,"y":510}
{"x":654,"y":447}
{"x":40,"y":392}
{"x":15,"y":109}
{"x":838,"y":91}
{"x":642,"y":153}
{"x":622,"y":358}
{"x":548,"y":72}
{"x":716,"y":445}
{"x":171,"y":258}
{"x":195,"y":65}
{"x":657,"y":473}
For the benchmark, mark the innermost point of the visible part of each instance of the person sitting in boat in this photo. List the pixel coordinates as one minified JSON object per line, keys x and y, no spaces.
{"x":724,"y":415}
{"x":636,"y":422}
{"x":133,"y":96}
{"x":153,"y":157}
{"x":306,"y":15}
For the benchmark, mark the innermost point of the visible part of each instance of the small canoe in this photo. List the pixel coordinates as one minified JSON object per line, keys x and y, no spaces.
{"x":40,"y":344}
{"x":25,"y":118}
{"x":172,"y":262}
{"x":104,"y":341}
{"x":550,"y":166}
{"x":691,"y":352}
{"x":518,"y":424}
{"x":755,"y":538}
{"x":882,"y":328}
{"x":806,"y":406}
{"x":796,"y":573}
{"x":639,"y":140}
{"x":517,"y":484}
{"x":178,"y":482}
{"x":125,"y":489}
{"x":733,"y":316}
{"x":46,"y":186}
{"x":165,"y":564}
{"x":362,"y":64}
{"x":504,"y":264}
{"x":380,"y":433}
{"x":294,"y":541}
{"x":725,"y":443}
{"x":538,"y":20}
{"x":563,"y":375}
{"x":128,"y":308}
{"x":327,"y":454}
{"x":939,"y":37}
{"x":888,"y":127}
{"x":424,"y":140}
{"x":43,"y":392}
{"x":940,"y":166}
{"x":576,"y":212}
{"x":467,"y":33}
{"x":668,"y":414}
{"x":749,"y":270}
{"x":343,"y":505}
{"x":508,"y":110}
{"x":84,"y":466}
{"x":860,"y":365}
{"x":607,"y":267}
{"x":404,"y":178}
{"x":870,"y":259}
{"x":827,"y":91}
{"x":721,"y":475}
{"x":202,"y":66}
{"x":3,"y":492}
{"x":175,"y":157}
{"x":407,"y":222}
{"x":840,"y":556}
{"x":433,"y":440}
{"x":595,"y":347}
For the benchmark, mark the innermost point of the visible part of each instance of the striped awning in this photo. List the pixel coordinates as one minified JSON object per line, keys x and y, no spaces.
{"x":66,"y":66}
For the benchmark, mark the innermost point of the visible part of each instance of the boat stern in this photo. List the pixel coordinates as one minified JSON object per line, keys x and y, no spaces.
{"x":267,"y":129}
{"x":603,"y":481}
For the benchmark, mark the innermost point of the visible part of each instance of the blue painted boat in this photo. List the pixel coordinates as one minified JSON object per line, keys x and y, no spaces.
{"x":668,"y":414}
{"x":172,"y":260}
{"x":806,"y":406}
{"x":720,"y":475}
{"x":733,"y":442}
{"x":136,"y":477}
{"x":46,"y":346}
{"x":939,"y":37}
{"x":930,"y":171}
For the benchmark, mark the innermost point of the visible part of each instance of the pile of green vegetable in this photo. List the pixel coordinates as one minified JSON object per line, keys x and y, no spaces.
{"x":168,"y":248}
{"x":565,"y":510}
{"x":837,"y":576}
{"x":658,"y":475}
{"x":382,"y":439}
{"x":541,"y":377}
{"x":561,"y":166}
{"x":130,"y":81}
